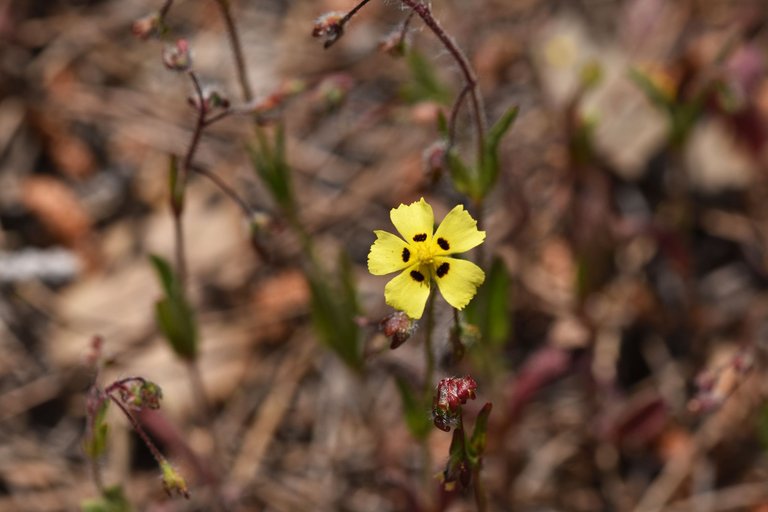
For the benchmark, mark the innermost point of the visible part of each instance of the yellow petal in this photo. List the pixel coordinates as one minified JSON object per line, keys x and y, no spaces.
{"x":415,"y":221}
{"x":409,"y":291}
{"x":388,"y":254}
{"x":457,"y":280}
{"x":457,"y":233}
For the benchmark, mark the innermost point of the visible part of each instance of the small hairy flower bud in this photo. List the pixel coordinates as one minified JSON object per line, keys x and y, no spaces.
{"x":451,"y":394}
{"x":329,"y":26}
{"x":393,"y":44}
{"x":147,"y":27}
{"x":142,"y":394}
{"x":399,"y":327}
{"x":178,"y":57}
{"x":173,"y":482}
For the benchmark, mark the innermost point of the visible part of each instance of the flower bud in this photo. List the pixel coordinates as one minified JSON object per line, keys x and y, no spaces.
{"x":329,"y":26}
{"x":148,"y":26}
{"x":393,"y":44}
{"x":142,"y":394}
{"x":399,"y":327}
{"x":451,"y":394}
{"x":178,"y":57}
{"x":212,"y":99}
{"x":173,"y":482}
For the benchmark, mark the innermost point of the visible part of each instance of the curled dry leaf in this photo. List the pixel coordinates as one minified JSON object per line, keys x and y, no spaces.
{"x":57,"y":208}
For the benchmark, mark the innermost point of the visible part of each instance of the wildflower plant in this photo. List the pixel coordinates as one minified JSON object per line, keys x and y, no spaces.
{"x":423,"y":255}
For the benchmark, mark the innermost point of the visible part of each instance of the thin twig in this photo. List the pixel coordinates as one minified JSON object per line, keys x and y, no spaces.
{"x":237,"y":49}
{"x":466,"y":68}
{"x":181,"y":183}
{"x":454,"y":116}
{"x":163,"y":12}
{"x":351,"y":13}
{"x":226,"y":189}
{"x":140,"y":431}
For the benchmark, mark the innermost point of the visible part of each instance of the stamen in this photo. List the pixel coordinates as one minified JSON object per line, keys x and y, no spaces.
{"x":417,"y":276}
{"x":443,"y":243}
{"x":406,"y":254}
{"x":420,"y":237}
{"x":442,"y":269}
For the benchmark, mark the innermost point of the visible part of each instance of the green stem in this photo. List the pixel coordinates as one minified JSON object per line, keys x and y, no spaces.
{"x":429,"y":355}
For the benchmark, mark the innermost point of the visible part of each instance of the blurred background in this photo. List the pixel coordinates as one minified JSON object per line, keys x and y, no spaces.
{"x":620,"y":336}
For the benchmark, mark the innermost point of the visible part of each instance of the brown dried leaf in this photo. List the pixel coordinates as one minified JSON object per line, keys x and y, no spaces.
{"x":57,"y":208}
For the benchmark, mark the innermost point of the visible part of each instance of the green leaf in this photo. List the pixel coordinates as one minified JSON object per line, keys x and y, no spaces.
{"x":489,"y":166}
{"x":96,"y":444}
{"x":464,"y":180}
{"x":442,"y":124}
{"x":479,"y":435}
{"x":112,"y":500}
{"x":269,"y":162}
{"x":165,"y":274}
{"x":489,"y":310}
{"x":424,"y":85}
{"x":176,"y":321}
{"x":334,"y":307}
{"x":414,"y":410}
{"x":174,"y":316}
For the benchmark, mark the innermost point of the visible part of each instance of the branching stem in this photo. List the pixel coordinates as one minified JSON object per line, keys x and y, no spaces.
{"x":237,"y":49}
{"x":466,"y":69}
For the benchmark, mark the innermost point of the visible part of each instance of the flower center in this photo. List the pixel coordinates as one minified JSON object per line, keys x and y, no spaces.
{"x":422,"y":249}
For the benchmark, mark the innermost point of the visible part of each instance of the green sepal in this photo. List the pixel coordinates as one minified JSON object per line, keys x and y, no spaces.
{"x":479,"y":436}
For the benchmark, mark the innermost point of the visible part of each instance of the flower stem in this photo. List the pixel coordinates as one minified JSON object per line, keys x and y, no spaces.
{"x":351,"y":13}
{"x":139,"y":430}
{"x":226,"y":190}
{"x":466,"y":69}
{"x":429,"y":355}
{"x":237,"y":49}
{"x":181,"y":182}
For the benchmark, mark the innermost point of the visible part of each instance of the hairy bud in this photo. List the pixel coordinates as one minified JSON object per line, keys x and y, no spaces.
{"x":399,"y":327}
{"x":451,"y":394}
{"x":329,"y":26}
{"x":148,"y":26}
{"x":177,"y":56}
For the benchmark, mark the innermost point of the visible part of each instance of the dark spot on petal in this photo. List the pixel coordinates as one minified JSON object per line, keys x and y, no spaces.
{"x":406,"y":254}
{"x":443,"y":243}
{"x":420,"y":237}
{"x":442,"y":269}
{"x":417,"y":276}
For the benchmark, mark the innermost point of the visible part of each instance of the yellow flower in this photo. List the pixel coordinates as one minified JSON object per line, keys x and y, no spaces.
{"x":424,"y":256}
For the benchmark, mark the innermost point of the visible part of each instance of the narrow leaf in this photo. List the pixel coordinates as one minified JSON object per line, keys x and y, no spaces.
{"x":479,"y":435}
{"x":489,"y":167}
{"x":414,"y":410}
